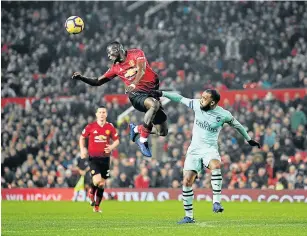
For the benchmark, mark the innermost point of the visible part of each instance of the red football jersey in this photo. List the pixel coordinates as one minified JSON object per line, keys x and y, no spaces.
{"x":127,"y":71}
{"x":99,"y":137}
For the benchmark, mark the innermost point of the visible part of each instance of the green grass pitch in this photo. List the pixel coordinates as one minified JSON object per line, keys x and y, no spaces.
{"x":152,"y":218}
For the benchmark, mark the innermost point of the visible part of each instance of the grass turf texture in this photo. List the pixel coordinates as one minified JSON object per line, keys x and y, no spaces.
{"x":152,"y":218}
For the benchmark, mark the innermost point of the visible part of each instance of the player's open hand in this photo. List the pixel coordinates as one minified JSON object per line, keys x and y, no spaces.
{"x":130,"y":88}
{"x":254,"y":143}
{"x":108,"y":149}
{"x":84,"y":153}
{"x":76,"y":75}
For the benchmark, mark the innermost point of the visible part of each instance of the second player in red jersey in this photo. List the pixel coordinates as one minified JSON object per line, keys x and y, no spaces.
{"x":98,"y":150}
{"x":132,"y":67}
{"x":99,"y":138}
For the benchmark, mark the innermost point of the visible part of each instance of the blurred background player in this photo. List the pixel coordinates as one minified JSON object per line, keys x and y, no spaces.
{"x":83,"y":183}
{"x":99,"y":134}
{"x":203,"y":150}
{"x":134,"y":70}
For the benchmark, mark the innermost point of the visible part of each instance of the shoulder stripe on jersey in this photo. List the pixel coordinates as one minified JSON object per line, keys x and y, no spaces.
{"x":191,"y":104}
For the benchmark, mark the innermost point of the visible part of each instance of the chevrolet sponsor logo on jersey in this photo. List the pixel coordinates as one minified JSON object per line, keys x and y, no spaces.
{"x":100,"y":138}
{"x":131,"y":72}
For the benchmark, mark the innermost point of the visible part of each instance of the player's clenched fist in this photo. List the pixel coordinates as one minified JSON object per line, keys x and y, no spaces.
{"x":76,"y":75}
{"x":108,"y":149}
{"x":254,"y":143}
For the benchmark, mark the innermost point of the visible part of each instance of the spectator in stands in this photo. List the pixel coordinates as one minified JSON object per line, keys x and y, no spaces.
{"x":298,"y":118}
{"x":142,"y":180}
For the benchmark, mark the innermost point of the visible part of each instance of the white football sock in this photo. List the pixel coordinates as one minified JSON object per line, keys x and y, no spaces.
{"x":143,"y":140}
{"x":136,"y":129}
{"x":216,"y":184}
{"x":187,"y":198}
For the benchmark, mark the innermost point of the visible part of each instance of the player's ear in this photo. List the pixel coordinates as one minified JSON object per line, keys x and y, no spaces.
{"x":212,"y":103}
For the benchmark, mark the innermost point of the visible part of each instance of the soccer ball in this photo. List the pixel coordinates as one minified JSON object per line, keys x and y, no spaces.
{"x":74,"y":25}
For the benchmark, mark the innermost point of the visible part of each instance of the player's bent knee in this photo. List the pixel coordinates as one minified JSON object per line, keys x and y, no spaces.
{"x":187,"y":182}
{"x":101,"y":184}
{"x":96,"y":182}
{"x":215,"y":164}
{"x":155,"y":105}
{"x":163,"y":133}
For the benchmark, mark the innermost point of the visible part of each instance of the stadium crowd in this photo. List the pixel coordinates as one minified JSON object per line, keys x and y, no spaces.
{"x":40,"y":149}
{"x":193,"y":45}
{"x":230,"y":45}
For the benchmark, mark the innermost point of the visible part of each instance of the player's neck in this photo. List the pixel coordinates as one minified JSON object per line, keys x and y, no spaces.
{"x":214,"y":107}
{"x":101,"y":123}
{"x":122,"y":58}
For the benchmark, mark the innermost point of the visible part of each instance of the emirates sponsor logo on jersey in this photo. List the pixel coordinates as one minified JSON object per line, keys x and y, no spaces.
{"x":205,"y":125}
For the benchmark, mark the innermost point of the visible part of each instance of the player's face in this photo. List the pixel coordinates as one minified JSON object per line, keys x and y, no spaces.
{"x":206,"y":102}
{"x":113,"y":56}
{"x":101,"y":114}
{"x":113,"y":53}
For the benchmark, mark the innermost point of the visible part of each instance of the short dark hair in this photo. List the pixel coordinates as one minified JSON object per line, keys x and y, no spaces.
{"x":214,"y":94}
{"x":115,"y":44}
{"x":101,"y":107}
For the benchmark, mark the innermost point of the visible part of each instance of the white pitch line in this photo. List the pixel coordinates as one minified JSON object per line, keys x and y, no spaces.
{"x":201,"y":224}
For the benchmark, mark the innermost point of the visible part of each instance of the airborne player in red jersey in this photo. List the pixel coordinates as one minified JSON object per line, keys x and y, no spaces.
{"x":132,"y":67}
{"x":99,"y":134}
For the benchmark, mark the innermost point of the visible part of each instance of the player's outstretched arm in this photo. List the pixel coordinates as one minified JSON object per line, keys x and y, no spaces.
{"x":237,"y":125}
{"x":175,"y":97}
{"x":91,"y":81}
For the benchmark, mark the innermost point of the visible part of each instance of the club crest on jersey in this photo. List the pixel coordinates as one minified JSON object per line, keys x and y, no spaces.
{"x":218,"y":119}
{"x":131,"y":63}
{"x":108,"y":132}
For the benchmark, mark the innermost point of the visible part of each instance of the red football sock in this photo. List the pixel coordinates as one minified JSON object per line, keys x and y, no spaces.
{"x":144,"y":132}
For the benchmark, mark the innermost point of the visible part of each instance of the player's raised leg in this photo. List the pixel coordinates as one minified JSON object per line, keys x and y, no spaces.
{"x":152,"y":105}
{"x":160,"y":123}
{"x":188,"y":196}
{"x":216,"y":183}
